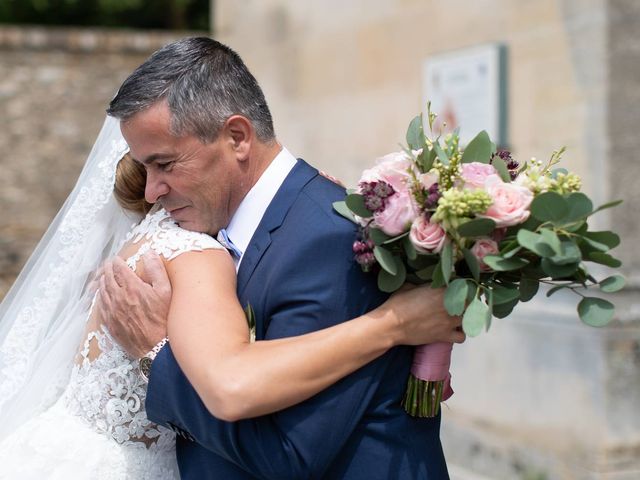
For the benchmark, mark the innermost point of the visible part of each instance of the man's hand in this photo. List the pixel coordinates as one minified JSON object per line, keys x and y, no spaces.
{"x":420,"y":317}
{"x":135,"y":312}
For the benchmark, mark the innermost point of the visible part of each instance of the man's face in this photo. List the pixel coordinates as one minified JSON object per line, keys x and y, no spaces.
{"x":193,"y":181}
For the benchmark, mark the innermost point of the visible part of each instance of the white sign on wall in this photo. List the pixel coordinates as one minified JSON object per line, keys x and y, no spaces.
{"x":467,"y":89}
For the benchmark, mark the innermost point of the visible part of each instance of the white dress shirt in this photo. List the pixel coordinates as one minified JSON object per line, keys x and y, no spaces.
{"x":247,"y":217}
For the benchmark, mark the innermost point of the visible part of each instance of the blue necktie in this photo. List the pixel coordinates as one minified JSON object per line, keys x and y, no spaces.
{"x":226,"y":242}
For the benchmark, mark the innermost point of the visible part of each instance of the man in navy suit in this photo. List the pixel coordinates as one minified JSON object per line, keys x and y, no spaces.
{"x":295,"y":268}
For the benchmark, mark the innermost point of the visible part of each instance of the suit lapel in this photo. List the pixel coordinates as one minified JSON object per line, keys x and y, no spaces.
{"x":273,"y":217}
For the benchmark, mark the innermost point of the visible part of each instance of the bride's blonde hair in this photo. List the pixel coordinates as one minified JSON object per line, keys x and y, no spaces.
{"x":131,"y":179}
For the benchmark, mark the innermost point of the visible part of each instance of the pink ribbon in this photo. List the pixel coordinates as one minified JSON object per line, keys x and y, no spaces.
{"x":431,"y":363}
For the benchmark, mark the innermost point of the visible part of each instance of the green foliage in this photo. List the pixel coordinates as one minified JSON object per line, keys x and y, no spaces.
{"x":612,"y":284}
{"x":594,"y":311}
{"x":479,"y":149}
{"x":455,"y":296}
{"x":342,"y":209}
{"x":501,"y":264}
{"x":549,"y":207}
{"x":151,"y":14}
{"x":475,"y":318}
{"x":390,"y":282}
{"x":502,"y":169}
{"x":355,"y":202}
{"x":386,"y":259}
{"x":415,"y":133}
{"x":477,"y":227}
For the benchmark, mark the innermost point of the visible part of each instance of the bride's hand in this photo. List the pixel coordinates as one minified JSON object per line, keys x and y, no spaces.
{"x":135,"y":312}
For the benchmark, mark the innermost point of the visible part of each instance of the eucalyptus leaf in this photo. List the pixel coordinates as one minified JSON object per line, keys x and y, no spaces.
{"x":423,"y":261}
{"x":555,"y":289}
{"x":550,"y":238}
{"x":535,"y":242}
{"x":549,"y":207}
{"x":504,"y":310}
{"x":558,"y":271}
{"x":415,"y":133}
{"x":409,"y":248}
{"x":569,"y":253}
{"x":508,"y":253}
{"x":479,"y":149}
{"x":426,"y":273}
{"x":440,"y":153}
{"x":437,"y":280}
{"x":607,"y":238}
{"x":455,"y":296}
{"x":500,"y":264}
{"x":596,"y":312}
{"x":377,"y":236}
{"x":504,"y":295}
{"x":342,"y":209}
{"x":604,"y":259}
{"x":477,"y":227}
{"x":502,"y":169}
{"x":475,"y":317}
{"x":528,"y":289}
{"x":612,"y":204}
{"x":355,"y":202}
{"x":426,"y":159}
{"x":385,"y":259}
{"x":596,"y":245}
{"x":472,"y":263}
{"x":446,"y":261}
{"x":575,"y":227}
{"x":388,"y":282}
{"x":580,"y":207}
{"x":612,"y":284}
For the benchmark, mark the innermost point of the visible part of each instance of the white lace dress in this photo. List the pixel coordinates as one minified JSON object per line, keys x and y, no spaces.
{"x":98,"y":429}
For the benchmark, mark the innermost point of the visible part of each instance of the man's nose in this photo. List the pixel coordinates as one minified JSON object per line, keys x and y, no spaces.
{"x":154,"y":188}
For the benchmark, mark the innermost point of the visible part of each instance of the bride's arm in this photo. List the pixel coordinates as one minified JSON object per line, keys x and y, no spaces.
{"x":237,"y":379}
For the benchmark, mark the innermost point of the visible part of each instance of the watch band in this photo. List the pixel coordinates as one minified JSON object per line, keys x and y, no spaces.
{"x":147,"y":360}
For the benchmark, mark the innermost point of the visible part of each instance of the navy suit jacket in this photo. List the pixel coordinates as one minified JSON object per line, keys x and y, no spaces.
{"x":299,"y":275}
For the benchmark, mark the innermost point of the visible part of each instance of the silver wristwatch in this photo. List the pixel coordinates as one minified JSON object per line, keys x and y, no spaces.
{"x":147,"y":360}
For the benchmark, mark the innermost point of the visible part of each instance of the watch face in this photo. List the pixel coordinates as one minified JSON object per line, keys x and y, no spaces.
{"x":145,"y":366}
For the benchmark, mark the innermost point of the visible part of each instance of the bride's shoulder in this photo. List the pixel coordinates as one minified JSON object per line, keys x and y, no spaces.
{"x":166,"y":237}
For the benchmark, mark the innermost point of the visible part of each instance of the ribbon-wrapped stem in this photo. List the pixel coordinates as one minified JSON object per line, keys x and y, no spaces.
{"x":430,"y":382}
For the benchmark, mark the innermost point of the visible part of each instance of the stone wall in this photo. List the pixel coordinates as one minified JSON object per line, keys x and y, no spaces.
{"x":54,"y":87}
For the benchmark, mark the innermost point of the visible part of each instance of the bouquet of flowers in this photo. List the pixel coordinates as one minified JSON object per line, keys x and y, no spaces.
{"x":488,"y":228}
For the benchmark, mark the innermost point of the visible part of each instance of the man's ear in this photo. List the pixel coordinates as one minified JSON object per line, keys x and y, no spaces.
{"x":240,"y":133}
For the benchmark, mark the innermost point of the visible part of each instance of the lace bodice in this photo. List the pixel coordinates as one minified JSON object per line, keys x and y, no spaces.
{"x":106,"y":388}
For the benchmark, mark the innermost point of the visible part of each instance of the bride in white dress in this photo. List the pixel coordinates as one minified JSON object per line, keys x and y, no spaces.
{"x":69,"y":412}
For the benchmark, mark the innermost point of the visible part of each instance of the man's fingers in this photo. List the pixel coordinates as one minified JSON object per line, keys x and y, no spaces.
{"x":108,"y":283}
{"x":458,"y":336}
{"x":124,"y":276}
{"x":156,"y":273}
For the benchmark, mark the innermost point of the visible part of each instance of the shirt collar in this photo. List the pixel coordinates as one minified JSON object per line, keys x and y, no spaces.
{"x":247,"y":217}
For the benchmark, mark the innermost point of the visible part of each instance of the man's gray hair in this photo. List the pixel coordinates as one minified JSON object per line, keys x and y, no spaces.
{"x":204,"y":83}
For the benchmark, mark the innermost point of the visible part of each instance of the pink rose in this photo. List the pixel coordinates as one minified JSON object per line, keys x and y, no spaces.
{"x":482,"y":247}
{"x":426,"y":236}
{"x":474,"y":174}
{"x":510,"y":202}
{"x":393,"y":168}
{"x":398,"y":213}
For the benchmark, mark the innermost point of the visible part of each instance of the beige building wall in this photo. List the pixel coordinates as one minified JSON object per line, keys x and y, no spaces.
{"x":344,"y":78}
{"x":541,"y":396}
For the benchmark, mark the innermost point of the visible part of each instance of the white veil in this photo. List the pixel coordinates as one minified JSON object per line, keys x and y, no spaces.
{"x":43,"y":316}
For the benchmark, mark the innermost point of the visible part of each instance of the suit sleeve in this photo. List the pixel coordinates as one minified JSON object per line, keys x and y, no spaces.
{"x":319,"y":284}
